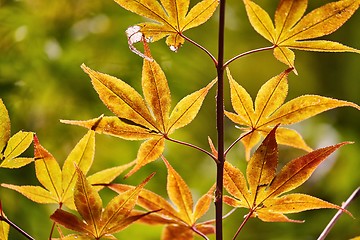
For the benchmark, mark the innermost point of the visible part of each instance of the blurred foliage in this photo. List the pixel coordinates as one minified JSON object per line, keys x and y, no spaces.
{"x":42,"y":45}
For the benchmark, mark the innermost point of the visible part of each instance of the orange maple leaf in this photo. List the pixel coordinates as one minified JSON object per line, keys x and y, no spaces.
{"x":139,"y":118}
{"x":269,"y":110}
{"x":96,"y":221}
{"x":171,"y":18}
{"x":261,"y":192}
{"x":292,"y":30}
{"x":181,"y":220}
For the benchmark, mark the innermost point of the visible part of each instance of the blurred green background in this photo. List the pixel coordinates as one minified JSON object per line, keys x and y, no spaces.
{"x":43,"y":44}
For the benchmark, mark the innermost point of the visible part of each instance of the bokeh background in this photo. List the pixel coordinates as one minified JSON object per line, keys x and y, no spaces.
{"x":43,"y":44}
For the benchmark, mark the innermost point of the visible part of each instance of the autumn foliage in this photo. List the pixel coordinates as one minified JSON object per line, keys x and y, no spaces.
{"x":263,"y":123}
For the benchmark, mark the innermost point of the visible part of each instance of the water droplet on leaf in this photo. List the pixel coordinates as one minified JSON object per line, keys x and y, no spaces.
{"x":173,"y":48}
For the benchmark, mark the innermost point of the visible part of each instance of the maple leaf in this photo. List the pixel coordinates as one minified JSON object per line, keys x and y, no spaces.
{"x":181,"y":220}
{"x":58,"y":185}
{"x":95,"y":221}
{"x":292,"y":30}
{"x":4,"y":227}
{"x":261,"y":192}
{"x":269,"y":110}
{"x":171,"y":18}
{"x":12,"y":146}
{"x":139,"y":118}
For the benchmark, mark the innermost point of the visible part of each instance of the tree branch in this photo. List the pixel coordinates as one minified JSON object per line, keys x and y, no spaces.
{"x":332,"y":222}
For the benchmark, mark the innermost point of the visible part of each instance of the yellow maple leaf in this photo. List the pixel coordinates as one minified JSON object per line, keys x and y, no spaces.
{"x":269,"y":110}
{"x":139,"y":118}
{"x":171,"y":18}
{"x":12,"y":146}
{"x":292,"y":30}
{"x":58,"y":184}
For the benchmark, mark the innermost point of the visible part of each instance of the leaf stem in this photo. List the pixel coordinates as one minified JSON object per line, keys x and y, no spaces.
{"x":236,"y":141}
{"x":3,"y":218}
{"x":220,"y":125}
{"x":192,"y":146}
{"x":199,"y":233}
{"x":201,"y":47}
{"x":243,"y":224}
{"x":332,"y":222}
{"x":53,"y":226}
{"x":247,"y":53}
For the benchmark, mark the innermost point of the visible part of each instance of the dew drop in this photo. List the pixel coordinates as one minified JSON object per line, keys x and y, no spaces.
{"x":133,"y":34}
{"x":149,"y":39}
{"x":173,"y":48}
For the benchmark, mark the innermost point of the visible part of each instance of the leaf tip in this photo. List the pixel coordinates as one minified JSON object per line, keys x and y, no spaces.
{"x":84,"y":68}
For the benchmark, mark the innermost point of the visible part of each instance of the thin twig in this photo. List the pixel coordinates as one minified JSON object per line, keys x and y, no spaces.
{"x":332,"y":222}
{"x":192,"y":146}
{"x":200,"y":233}
{"x":236,"y":141}
{"x":229,"y":213}
{"x":247,"y":53}
{"x":201,"y":47}
{"x":3,"y":218}
{"x":243,"y":224}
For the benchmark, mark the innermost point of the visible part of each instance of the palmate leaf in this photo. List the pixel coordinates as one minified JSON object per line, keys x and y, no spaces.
{"x":12,"y":146}
{"x":58,"y":184}
{"x":139,"y":118}
{"x":4,"y":227}
{"x":262,"y":192}
{"x":96,"y":221}
{"x":180,"y":221}
{"x":4,"y":125}
{"x":292,"y":30}
{"x":171,"y":18}
{"x":269,"y":110}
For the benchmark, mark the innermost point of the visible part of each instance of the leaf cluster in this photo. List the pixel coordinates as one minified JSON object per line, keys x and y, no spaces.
{"x":263,"y":189}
